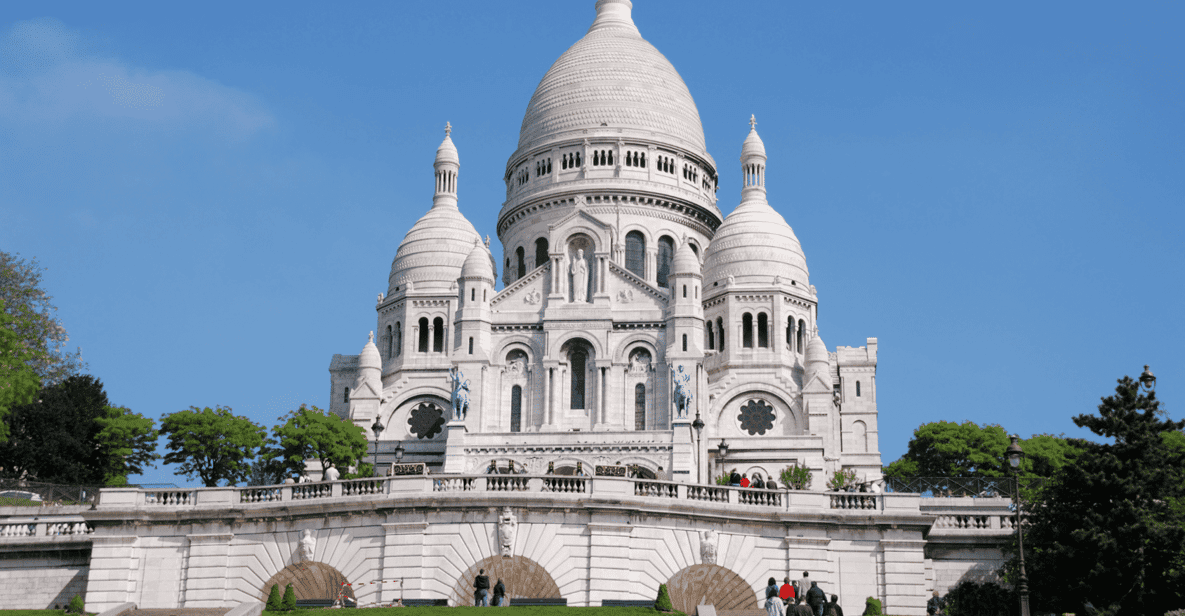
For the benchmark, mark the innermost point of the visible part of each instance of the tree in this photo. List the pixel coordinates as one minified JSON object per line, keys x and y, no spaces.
{"x":55,"y":439}
{"x":948,"y":449}
{"x":34,"y":319}
{"x":1111,"y":528}
{"x":310,"y":433}
{"x":288,"y":603}
{"x":18,"y":381}
{"x":265,"y":472}
{"x":212,"y":444}
{"x":273,"y":599}
{"x":128,"y":441}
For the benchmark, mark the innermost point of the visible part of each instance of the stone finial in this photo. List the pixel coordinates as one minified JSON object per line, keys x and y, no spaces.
{"x":370,"y":338}
{"x":753,"y":122}
{"x":487,"y":240}
{"x":448,"y":129}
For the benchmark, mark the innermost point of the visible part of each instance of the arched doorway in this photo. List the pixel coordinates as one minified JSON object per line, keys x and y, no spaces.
{"x":523,"y":578}
{"x":711,"y":585}
{"x":310,"y":580}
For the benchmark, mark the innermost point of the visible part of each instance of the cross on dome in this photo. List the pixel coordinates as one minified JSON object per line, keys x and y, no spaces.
{"x":448,"y":129}
{"x":753,"y":122}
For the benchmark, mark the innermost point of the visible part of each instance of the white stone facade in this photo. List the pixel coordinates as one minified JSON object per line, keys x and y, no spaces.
{"x":620,"y":277}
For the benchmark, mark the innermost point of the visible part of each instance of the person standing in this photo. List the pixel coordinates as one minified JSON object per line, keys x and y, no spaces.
{"x":804,"y":585}
{"x":833,"y":608}
{"x":815,"y":597}
{"x":801,"y":608}
{"x":331,"y":473}
{"x":787,"y":592}
{"x":734,"y":479}
{"x":934,"y":605}
{"x":500,"y":594}
{"x":481,"y":590}
{"x":773,"y":603}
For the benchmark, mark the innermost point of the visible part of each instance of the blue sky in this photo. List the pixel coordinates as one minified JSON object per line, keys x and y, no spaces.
{"x":216,"y":190}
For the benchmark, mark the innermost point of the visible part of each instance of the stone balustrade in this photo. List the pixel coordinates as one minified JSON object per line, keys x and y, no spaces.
{"x":955,"y":516}
{"x":44,"y":528}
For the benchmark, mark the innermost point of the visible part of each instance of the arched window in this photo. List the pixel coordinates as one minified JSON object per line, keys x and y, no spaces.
{"x":635,"y":253}
{"x":472,"y":295}
{"x":684,"y":290}
{"x":516,"y":408}
{"x":398,"y":338}
{"x":519,"y":256}
{"x":762,"y":330}
{"x":801,"y":329}
{"x":438,"y":335}
{"x":857,"y":389}
{"x":578,"y":358}
{"x":390,"y":343}
{"x":346,"y":396}
{"x":666,"y":252}
{"x":747,"y":331}
{"x":711,"y":336}
{"x":685,"y":347}
{"x":639,"y":407}
{"x":790,"y":333}
{"x":859,"y":437}
{"x":540,"y":252}
{"x":423,"y":335}
{"x":720,"y":333}
{"x":471,"y":345}
{"x":483,"y":294}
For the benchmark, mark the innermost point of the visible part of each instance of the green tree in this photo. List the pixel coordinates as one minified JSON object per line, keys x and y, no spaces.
{"x":18,"y":380}
{"x":211,"y":444}
{"x":273,"y":599}
{"x":662,"y":603}
{"x":265,"y":472}
{"x":1111,"y":527}
{"x":948,"y":449}
{"x":310,"y":433}
{"x":34,"y":319}
{"x":289,"y":602}
{"x":128,"y":441}
{"x":55,"y":439}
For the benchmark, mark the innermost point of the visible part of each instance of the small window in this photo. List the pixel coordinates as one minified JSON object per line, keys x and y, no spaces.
{"x":438,"y":335}
{"x":471,"y":345}
{"x":685,"y":346}
{"x":483,"y":294}
{"x":762,"y":330}
{"x":346,"y":396}
{"x":747,"y":331}
{"x":541,"y":252}
{"x":801,"y":330}
{"x":720,"y":334}
{"x":857,"y":389}
{"x":520,"y":262}
{"x":666,"y":252}
{"x":684,"y":290}
{"x":424,"y":334}
{"x":635,"y":253}
{"x":711,"y":336}
{"x":472,"y":295}
{"x":398,"y":338}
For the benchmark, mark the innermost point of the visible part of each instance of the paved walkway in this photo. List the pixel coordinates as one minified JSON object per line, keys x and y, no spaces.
{"x":178,"y":611}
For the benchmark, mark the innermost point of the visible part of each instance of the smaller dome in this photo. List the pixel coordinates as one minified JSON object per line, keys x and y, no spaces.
{"x":816,"y":351}
{"x":479,"y":263}
{"x":685,"y":261}
{"x":370,"y":358}
{"x":447,"y":152}
{"x":753,"y":145}
{"x":754,"y":245}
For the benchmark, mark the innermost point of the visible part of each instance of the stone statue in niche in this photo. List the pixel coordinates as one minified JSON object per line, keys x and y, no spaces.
{"x":516,"y":368}
{"x":683,"y":395}
{"x":307,"y":545}
{"x":639,"y":363}
{"x":707,"y":547}
{"x":507,"y":526}
{"x":460,"y":393}
{"x":579,"y":272}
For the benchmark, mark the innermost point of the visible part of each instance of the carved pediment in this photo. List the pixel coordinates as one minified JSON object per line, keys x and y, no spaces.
{"x":526,"y":293}
{"x":577,"y":216}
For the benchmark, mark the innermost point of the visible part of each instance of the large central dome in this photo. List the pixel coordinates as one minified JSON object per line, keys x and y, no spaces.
{"x":612,"y":78}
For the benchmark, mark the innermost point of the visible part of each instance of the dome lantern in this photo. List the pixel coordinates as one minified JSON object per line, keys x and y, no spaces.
{"x":753,"y":164}
{"x":448,"y":167}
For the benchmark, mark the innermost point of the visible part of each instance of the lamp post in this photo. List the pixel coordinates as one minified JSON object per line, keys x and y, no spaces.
{"x":722,"y":450}
{"x":1147,"y":380}
{"x":377,"y":429}
{"x":1015,"y":455}
{"x":698,"y":425}
{"x":398,"y":451}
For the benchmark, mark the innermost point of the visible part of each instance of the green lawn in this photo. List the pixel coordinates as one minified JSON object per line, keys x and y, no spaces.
{"x":474,"y":611}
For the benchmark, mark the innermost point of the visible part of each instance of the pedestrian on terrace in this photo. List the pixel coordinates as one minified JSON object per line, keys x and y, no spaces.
{"x":499,"y":594}
{"x":773,"y":603}
{"x":481,"y":590}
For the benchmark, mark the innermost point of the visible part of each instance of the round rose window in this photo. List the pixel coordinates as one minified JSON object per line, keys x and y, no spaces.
{"x":426,"y":420}
{"x":756,"y":417}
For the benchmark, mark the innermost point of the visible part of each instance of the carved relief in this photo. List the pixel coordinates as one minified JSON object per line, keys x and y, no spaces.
{"x":507,"y":527}
{"x":532,"y":297}
{"x":307,"y":545}
{"x":625,"y":296}
{"x":707,"y":547}
{"x":639,"y":362}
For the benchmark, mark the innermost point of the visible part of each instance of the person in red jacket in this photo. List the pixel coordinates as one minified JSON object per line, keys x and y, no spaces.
{"x":786,"y":592}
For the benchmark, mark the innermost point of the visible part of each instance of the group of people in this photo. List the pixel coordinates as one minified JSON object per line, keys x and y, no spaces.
{"x":742,"y":480}
{"x":803,"y":598}
{"x":481,"y":591}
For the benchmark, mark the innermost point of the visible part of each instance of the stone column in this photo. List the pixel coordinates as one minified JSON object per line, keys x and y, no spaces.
{"x":403,"y":558}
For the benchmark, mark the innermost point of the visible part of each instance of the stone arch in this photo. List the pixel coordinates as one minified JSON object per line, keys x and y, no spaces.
{"x":397,"y":426}
{"x":516,"y":341}
{"x":625,"y":347}
{"x":557,"y":345}
{"x":710,"y":585}
{"x":310,"y":580}
{"x":523,"y":578}
{"x":791,"y":420}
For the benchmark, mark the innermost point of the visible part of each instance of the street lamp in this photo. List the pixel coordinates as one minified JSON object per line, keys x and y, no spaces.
{"x":698,"y":424}
{"x":377,"y":429}
{"x":1015,"y":455}
{"x":1147,"y":380}
{"x":398,"y":451}
{"x":722,"y":450}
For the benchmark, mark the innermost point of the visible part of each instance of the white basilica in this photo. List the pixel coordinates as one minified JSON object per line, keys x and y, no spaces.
{"x":630,"y":307}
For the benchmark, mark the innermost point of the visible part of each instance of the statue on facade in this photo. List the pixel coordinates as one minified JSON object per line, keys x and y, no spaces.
{"x":507,"y":525}
{"x":683,"y":395}
{"x":460,"y":393}
{"x":307,"y":545}
{"x":707,"y":547}
{"x":579,"y":272}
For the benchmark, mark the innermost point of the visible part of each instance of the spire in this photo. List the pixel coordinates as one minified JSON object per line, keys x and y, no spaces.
{"x":614,"y":14}
{"x":448,"y":166}
{"x":753,"y":164}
